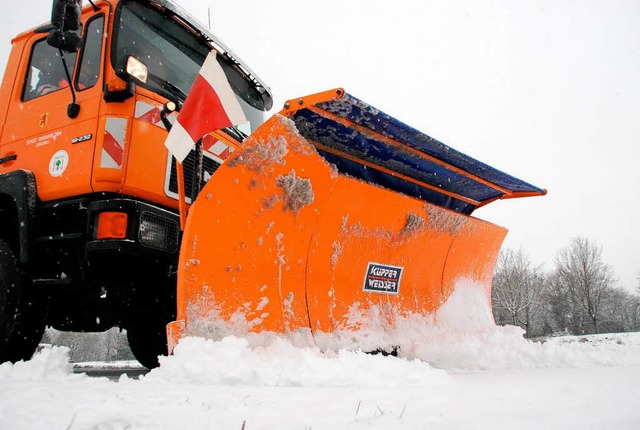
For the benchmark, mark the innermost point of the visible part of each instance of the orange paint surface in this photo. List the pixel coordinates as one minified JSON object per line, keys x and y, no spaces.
{"x":279,"y":241}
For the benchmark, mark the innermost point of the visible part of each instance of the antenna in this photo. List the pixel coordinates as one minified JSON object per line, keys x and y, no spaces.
{"x":209,"y":13}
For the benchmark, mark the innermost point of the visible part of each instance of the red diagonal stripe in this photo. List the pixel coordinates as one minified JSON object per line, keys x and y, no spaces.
{"x":113,"y":148}
{"x":208,"y":141}
{"x":224,"y":154}
{"x":153,"y":116}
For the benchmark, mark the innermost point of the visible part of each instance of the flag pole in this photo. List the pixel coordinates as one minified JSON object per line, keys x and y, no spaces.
{"x":182,"y":204}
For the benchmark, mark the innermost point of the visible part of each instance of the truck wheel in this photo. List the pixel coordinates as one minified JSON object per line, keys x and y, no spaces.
{"x":147,"y":342}
{"x":22,"y":320}
{"x":9,"y":295}
{"x":27,"y":331}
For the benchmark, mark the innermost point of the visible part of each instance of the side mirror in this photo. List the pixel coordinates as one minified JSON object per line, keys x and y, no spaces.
{"x":65,"y":18}
{"x":67,"y":41}
{"x":65,"y":14}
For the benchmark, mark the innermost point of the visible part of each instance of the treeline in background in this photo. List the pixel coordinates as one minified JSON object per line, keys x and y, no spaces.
{"x":578,"y":295}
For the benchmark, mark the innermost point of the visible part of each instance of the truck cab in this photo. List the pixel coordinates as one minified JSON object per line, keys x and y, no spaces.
{"x":89,"y":225}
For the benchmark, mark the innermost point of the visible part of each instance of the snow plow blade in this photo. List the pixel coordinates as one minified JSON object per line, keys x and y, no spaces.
{"x":330,"y":212}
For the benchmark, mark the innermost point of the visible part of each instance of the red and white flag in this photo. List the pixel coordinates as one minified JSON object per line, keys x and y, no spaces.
{"x":211,"y":105}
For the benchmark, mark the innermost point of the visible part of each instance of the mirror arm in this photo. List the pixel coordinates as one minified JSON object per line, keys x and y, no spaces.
{"x":73,"y":109}
{"x":95,"y":8}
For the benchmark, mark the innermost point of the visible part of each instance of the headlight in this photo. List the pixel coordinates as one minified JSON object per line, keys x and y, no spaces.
{"x":158,"y":232}
{"x":137,"y":69}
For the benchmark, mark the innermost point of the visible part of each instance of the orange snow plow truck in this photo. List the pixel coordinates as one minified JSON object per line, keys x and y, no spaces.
{"x":308,"y":220}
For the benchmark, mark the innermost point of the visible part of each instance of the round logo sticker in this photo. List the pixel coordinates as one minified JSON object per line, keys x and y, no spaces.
{"x":58,"y":163}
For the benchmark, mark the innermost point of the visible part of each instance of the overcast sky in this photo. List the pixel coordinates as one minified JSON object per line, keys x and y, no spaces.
{"x":546,"y":90}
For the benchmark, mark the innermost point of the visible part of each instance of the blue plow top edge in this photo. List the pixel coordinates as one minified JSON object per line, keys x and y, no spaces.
{"x":357,"y":138}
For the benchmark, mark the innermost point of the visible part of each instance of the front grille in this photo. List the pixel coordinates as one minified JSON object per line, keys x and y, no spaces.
{"x":208,"y":164}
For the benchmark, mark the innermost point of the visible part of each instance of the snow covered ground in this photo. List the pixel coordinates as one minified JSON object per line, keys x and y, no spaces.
{"x":463,"y":373}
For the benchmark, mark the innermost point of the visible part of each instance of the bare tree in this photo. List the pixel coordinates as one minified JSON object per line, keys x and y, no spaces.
{"x":617,"y":311}
{"x":516,"y":287}
{"x":634,"y":314}
{"x":581,"y":271}
{"x":563,"y":312}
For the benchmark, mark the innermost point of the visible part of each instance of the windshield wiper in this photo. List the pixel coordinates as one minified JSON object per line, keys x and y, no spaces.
{"x":173,"y":90}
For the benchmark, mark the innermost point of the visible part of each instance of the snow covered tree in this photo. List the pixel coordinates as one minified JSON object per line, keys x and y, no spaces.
{"x":581,"y":273}
{"x":620,"y":311}
{"x":563,"y":313}
{"x":516,"y":288}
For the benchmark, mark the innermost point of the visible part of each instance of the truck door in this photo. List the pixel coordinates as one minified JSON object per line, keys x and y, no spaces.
{"x":46,"y":140}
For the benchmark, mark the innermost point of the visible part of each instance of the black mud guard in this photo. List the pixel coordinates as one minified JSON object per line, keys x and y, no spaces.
{"x":20,"y":186}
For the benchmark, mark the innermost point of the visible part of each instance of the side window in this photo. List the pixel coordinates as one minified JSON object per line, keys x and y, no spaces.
{"x":46,"y":71}
{"x":91,"y":53}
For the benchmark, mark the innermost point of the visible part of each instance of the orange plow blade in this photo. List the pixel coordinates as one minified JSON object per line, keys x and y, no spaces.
{"x":331,"y":211}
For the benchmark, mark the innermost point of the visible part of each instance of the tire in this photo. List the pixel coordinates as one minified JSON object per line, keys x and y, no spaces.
{"x":147,"y":342}
{"x":9,"y":295}
{"x":27,"y":332}
{"x":151,"y":308}
{"x":22,"y":322}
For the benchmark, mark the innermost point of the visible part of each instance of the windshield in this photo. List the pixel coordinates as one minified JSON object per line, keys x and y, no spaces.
{"x":173,"y":54}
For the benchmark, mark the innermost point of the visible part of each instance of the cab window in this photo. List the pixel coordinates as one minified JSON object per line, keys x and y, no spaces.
{"x":46,"y":71}
{"x":89,"y":68}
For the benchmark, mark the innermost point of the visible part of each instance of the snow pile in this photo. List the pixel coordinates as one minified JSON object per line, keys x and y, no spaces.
{"x":275,"y":382}
{"x":461,"y":336}
{"x":602,"y":349}
{"x":50,"y":364}
{"x":278,"y":363}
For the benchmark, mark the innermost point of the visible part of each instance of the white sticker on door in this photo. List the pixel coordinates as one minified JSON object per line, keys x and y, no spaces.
{"x":58,"y":163}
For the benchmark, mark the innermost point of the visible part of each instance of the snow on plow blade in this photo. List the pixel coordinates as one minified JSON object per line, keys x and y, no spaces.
{"x":332,"y":211}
